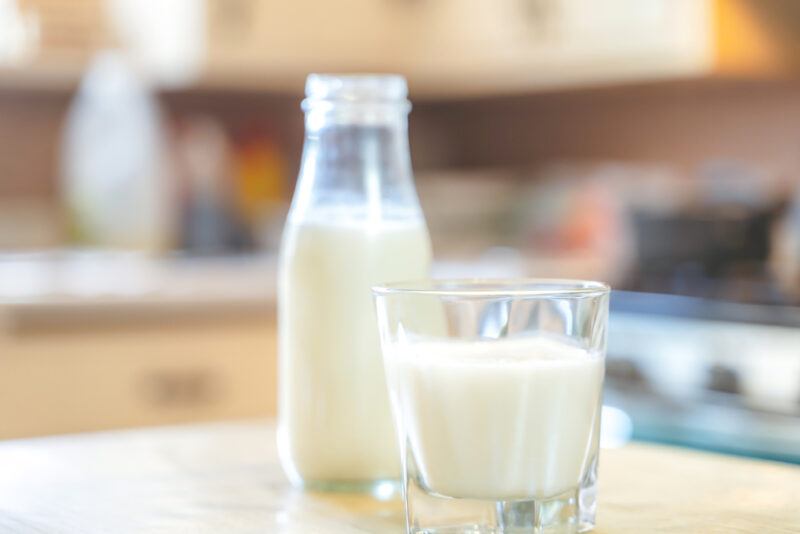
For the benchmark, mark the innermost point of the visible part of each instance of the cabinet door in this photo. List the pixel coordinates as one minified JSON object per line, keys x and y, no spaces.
{"x":91,"y":379}
{"x":448,"y":47}
{"x":524,"y":44}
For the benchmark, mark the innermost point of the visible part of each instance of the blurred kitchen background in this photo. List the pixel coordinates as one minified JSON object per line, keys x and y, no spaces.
{"x":149,"y":149}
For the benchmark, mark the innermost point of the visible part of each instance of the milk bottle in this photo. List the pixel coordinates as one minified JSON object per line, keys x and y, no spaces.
{"x":355,"y":221}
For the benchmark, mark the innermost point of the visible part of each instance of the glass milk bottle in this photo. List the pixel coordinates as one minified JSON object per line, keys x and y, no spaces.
{"x":355,"y":221}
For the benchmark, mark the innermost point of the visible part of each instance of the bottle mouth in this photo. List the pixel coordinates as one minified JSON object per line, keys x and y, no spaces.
{"x":334,"y":89}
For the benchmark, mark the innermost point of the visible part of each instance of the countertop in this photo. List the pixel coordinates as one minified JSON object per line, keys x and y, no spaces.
{"x":78,"y":289}
{"x":226,"y":478}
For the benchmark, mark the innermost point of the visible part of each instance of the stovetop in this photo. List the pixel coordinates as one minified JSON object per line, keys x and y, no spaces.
{"x":707,"y":374}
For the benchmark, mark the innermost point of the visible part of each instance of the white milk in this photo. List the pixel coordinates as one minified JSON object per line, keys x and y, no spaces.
{"x":335,"y":417}
{"x":500,"y":420}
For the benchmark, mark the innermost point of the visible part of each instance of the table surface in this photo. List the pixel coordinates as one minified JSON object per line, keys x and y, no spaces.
{"x":225,"y":478}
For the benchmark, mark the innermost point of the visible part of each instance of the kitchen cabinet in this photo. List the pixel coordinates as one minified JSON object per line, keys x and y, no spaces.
{"x":58,"y":382}
{"x":447,"y":48}
{"x":460,"y":47}
{"x":181,"y":342}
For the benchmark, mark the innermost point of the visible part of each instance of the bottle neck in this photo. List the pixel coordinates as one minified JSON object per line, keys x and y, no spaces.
{"x":356,"y":157}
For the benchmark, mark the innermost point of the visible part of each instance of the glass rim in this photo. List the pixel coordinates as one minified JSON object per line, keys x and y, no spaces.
{"x":495,"y":287}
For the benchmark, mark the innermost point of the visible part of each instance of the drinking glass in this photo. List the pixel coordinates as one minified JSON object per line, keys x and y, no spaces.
{"x":496,"y":391}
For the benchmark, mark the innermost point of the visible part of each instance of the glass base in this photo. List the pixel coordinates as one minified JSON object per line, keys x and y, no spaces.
{"x":568,"y":513}
{"x":445,"y":515}
{"x":382,"y":489}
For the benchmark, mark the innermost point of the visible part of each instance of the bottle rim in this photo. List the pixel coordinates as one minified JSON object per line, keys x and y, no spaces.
{"x":337,"y":89}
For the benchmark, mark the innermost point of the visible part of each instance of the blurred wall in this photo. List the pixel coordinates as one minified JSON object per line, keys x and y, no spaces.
{"x":29,"y":123}
{"x":679,"y":122}
{"x":683,"y":122}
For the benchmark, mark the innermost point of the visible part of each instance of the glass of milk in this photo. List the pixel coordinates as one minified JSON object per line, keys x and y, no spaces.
{"x":355,"y":221}
{"x":496,"y":390}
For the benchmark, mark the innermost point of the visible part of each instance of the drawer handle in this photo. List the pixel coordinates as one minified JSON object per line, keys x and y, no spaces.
{"x":183,"y":388}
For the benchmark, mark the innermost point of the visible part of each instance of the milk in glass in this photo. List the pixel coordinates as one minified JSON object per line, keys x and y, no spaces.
{"x":502,"y":419}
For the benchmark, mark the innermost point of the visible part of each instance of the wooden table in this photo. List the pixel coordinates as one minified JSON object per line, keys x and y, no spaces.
{"x":225,"y":478}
